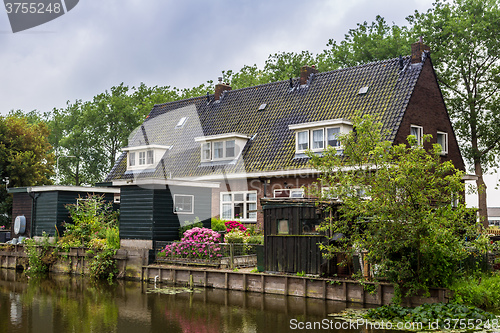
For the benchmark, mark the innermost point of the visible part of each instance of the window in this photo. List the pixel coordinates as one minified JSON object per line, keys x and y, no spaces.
{"x":183,"y":204}
{"x":218,"y":150}
{"x":239,"y":205}
{"x":303,"y":140}
{"x":318,"y":139}
{"x":230,"y":145}
{"x":283,"y":227}
{"x":131,"y":159}
{"x":142,"y":157}
{"x":181,"y":122}
{"x":318,"y":135}
{"x":417,"y":132}
{"x":332,"y":134}
{"x":442,"y":140}
{"x":220,"y":147}
{"x":150,"y":159}
{"x":289,"y":193}
{"x":206,"y":151}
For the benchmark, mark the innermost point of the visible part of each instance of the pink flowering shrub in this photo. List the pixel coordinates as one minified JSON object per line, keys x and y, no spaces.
{"x":198,"y":243}
{"x":230,"y":225}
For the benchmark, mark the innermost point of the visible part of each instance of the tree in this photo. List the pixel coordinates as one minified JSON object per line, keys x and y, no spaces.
{"x":367,"y":43}
{"x":463,"y":36}
{"x":25,"y":158}
{"x":397,"y":205}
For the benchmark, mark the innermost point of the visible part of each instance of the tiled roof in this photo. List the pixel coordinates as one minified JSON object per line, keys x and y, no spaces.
{"x":329,"y":95}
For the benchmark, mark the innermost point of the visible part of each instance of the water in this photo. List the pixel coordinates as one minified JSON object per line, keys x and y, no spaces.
{"x":61,"y":303}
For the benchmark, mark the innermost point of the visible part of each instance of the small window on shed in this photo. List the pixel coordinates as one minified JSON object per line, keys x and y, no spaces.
{"x":183,"y":204}
{"x":283,"y":227}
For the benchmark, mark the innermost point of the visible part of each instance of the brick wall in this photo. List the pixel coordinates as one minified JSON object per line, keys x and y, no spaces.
{"x":427,"y":109}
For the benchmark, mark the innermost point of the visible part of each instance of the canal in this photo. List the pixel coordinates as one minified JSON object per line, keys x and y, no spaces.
{"x":61,"y":303}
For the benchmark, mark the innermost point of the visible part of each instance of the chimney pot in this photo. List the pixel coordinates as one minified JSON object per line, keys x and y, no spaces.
{"x":305,"y":71}
{"x":220,"y":88}
{"x":417,"y":49}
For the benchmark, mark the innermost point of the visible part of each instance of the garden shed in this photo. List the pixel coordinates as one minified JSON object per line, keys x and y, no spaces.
{"x":41,"y":208}
{"x":291,"y":235}
{"x":153,"y":210}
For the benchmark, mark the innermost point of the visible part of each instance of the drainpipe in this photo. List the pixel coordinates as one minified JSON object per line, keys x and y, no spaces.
{"x":34,"y":197}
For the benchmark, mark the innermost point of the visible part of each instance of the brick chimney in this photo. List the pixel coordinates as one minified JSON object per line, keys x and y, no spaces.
{"x":220,"y":88}
{"x":416,"y":51}
{"x":305,"y":71}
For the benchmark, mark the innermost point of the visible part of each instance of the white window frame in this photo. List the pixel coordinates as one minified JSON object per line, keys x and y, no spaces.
{"x":131,"y":159}
{"x":297,"y":141}
{"x":226,"y":148}
{"x":150,"y":157}
{"x":326,"y":137}
{"x":444,"y":150}
{"x":420,"y":133}
{"x":183,"y":212}
{"x":209,"y":151}
{"x":322,"y":141}
{"x":245,"y":202}
{"x":292,"y":192}
{"x":142,"y":157}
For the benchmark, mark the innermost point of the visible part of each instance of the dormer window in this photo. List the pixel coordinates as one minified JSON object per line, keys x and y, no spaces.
{"x":319,"y":135}
{"x":221,"y":147}
{"x":140,"y":157}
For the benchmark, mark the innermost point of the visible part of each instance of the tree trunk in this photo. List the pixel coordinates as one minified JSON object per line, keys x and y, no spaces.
{"x":481,"y":194}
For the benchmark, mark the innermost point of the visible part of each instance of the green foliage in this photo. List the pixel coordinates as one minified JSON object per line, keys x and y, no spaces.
{"x":255,"y":239}
{"x":481,"y":290}
{"x":234,"y":236}
{"x":40,"y":255}
{"x":447,"y":315}
{"x":92,"y":218}
{"x":190,"y":225}
{"x":463,"y":35}
{"x":113,"y":238}
{"x":25,"y":157}
{"x":403,"y":217}
{"x":218,"y":224}
{"x":302,"y":273}
{"x":103,"y":265}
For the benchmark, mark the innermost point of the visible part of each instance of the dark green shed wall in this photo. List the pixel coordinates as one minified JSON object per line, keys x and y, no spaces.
{"x":51,"y":210}
{"x":148,"y":213}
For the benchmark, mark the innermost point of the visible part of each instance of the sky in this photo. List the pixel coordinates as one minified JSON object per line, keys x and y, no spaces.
{"x":100,"y":44}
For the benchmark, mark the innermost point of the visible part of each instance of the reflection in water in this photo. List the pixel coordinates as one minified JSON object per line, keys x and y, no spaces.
{"x":63,"y":303}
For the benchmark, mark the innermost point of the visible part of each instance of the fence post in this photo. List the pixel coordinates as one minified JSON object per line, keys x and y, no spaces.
{"x":231,"y":255}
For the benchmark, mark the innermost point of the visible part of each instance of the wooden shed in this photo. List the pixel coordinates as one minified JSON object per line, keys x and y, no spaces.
{"x":291,"y":237}
{"x":154,"y":209}
{"x":44,"y":207}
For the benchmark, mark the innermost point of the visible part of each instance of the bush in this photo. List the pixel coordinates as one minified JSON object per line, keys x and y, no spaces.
{"x":235,"y":236}
{"x":482,"y":291}
{"x":190,"y":225}
{"x":200,"y":243}
{"x":218,"y":224}
{"x":255,"y":239}
{"x":230,"y":225}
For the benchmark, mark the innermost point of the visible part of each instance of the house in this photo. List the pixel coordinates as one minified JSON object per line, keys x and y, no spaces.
{"x":237,"y":146}
{"x":42,"y":209}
